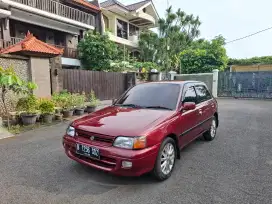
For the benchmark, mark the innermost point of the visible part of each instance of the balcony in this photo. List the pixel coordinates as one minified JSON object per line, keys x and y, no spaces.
{"x":132,"y":41}
{"x":59,"y":9}
{"x":67,"y":51}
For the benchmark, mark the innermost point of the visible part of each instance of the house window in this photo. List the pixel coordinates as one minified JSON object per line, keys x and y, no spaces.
{"x":122,"y":29}
{"x":133,"y":30}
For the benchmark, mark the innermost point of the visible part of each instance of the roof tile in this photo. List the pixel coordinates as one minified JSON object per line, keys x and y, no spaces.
{"x":32,"y":44}
{"x":131,"y":7}
{"x":135,"y":6}
{"x":87,"y":4}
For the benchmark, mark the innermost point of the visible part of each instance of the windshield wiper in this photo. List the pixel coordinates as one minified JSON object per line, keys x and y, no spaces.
{"x":129,"y":105}
{"x":158,"y":107}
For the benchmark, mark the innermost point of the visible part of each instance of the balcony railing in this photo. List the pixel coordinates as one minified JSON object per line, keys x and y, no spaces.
{"x":57,"y":8}
{"x":67,"y":51}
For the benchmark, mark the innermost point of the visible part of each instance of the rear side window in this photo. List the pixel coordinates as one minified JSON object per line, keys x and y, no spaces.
{"x":190,"y":95}
{"x":202,"y":93}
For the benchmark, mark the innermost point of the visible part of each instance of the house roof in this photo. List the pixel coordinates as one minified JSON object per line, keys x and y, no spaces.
{"x":87,"y":4}
{"x":109,"y":3}
{"x":135,"y":6}
{"x":130,"y":7}
{"x":32,"y":45}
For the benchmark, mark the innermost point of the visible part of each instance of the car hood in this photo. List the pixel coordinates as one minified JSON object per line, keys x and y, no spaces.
{"x":115,"y":121}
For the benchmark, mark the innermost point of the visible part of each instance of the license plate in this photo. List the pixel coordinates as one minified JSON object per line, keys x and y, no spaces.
{"x":87,"y":151}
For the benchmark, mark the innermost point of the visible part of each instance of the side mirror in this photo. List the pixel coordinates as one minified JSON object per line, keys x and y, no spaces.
{"x":189,"y":106}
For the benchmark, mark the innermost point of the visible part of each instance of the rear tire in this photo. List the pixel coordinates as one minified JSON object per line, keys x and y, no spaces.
{"x":211,"y":133}
{"x":166,"y":160}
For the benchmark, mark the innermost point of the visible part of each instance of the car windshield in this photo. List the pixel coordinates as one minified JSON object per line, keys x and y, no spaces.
{"x":152,"y":95}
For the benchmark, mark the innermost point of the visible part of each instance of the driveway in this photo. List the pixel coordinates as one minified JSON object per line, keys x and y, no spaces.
{"x":234,"y":168}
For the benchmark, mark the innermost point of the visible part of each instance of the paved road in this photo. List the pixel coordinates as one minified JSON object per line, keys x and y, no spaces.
{"x":235,"y":168}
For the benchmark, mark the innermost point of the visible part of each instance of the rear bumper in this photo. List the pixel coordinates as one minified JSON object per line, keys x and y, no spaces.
{"x":111,"y":158}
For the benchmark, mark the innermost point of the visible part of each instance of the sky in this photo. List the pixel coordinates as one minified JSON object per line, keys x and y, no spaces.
{"x":232,"y":19}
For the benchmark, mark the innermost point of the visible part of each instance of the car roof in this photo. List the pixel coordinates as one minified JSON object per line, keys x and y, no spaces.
{"x":176,"y":82}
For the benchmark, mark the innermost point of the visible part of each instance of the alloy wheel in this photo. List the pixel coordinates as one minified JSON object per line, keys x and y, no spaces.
{"x":167,"y":158}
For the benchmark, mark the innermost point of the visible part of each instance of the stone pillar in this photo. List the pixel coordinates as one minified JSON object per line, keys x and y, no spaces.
{"x":56,"y":74}
{"x":172,"y":75}
{"x":215,"y":82}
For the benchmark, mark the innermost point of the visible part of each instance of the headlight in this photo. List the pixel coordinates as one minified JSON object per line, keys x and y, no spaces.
{"x":130,"y":142}
{"x":70,"y":131}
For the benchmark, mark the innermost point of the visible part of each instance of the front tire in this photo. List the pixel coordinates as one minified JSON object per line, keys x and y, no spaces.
{"x":166,"y":159}
{"x":211,"y":133}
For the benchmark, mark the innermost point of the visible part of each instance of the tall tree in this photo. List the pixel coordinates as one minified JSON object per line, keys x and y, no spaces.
{"x":177,"y":31}
{"x":148,"y":45}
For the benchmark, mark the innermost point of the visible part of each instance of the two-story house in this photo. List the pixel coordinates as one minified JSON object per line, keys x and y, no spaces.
{"x":125,"y":22}
{"x":58,"y":22}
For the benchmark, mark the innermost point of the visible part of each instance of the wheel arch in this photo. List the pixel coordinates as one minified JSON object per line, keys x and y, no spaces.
{"x":175,"y":138}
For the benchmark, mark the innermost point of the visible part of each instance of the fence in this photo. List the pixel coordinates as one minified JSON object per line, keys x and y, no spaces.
{"x":106,"y":85}
{"x":245,"y":84}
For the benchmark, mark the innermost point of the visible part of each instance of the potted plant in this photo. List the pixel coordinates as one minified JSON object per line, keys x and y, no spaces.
{"x":68,"y":105}
{"x":29,"y":107}
{"x":47,"y":109}
{"x":64,"y":101}
{"x":79,"y":100}
{"x":92,"y":103}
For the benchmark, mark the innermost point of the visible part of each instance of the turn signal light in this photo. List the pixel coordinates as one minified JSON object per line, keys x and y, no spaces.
{"x":139,"y":143}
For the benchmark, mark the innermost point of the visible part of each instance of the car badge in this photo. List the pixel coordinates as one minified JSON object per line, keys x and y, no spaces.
{"x":92,"y":138}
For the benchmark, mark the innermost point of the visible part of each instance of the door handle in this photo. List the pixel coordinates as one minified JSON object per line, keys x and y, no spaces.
{"x":200,"y":112}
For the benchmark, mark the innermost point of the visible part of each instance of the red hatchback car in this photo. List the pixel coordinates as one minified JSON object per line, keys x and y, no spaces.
{"x":145,"y":129}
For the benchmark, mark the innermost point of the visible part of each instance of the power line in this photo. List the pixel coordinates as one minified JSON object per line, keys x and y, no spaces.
{"x":249,"y":35}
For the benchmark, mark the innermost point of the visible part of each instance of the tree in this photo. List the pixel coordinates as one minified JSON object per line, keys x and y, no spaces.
{"x":148,"y":46}
{"x":204,"y":56}
{"x":177,"y":31}
{"x":250,"y":61}
{"x":96,"y":51}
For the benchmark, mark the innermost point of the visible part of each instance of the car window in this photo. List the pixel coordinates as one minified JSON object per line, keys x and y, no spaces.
{"x":202,"y":93}
{"x":189,"y":95}
{"x":151,"y":95}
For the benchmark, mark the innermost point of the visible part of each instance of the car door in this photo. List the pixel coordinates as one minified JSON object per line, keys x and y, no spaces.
{"x":204,"y":106}
{"x":188,"y":120}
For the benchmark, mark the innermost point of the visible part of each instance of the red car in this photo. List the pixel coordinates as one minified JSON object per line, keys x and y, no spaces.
{"x":145,"y":129}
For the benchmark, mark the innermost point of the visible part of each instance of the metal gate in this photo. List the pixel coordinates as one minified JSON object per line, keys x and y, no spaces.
{"x":245,"y":84}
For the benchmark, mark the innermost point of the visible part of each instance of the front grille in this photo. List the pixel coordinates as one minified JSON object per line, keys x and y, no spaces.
{"x":95,"y":136}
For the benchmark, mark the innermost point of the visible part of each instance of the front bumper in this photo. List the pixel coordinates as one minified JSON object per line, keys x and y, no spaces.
{"x":111,"y":158}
